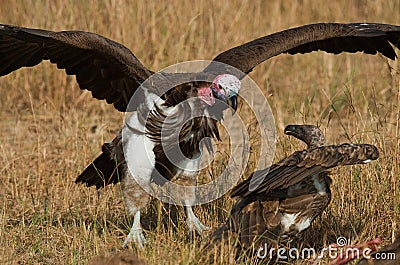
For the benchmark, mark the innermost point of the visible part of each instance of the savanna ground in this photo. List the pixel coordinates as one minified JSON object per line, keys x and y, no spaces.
{"x":50,"y":130}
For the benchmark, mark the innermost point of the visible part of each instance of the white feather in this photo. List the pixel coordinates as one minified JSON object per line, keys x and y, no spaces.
{"x":138,"y":149}
{"x":288,"y":220}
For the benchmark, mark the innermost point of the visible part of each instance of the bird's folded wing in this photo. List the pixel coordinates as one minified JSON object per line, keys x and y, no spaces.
{"x":302,"y":164}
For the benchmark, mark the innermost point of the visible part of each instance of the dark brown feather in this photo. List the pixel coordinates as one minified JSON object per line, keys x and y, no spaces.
{"x":301,"y":164}
{"x":162,"y":130}
{"x":112,"y":72}
{"x":99,"y":64}
{"x":108,"y":168}
{"x":369,"y":38}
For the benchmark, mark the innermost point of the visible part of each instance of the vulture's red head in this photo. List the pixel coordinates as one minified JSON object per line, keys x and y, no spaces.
{"x":224,"y":88}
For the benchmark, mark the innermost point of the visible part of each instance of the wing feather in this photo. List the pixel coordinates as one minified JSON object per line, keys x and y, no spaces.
{"x":302,"y":164}
{"x":329,"y":37}
{"x":96,"y":61}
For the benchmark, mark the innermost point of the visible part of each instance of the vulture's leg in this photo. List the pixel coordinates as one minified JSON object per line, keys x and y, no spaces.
{"x":189,"y":198}
{"x":187,"y":178}
{"x":194,"y":222}
{"x":136,"y":233}
{"x":135,"y":199}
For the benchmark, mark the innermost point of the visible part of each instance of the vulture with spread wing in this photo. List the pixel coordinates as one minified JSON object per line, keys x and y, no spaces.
{"x":284,"y":200}
{"x":112,"y":73}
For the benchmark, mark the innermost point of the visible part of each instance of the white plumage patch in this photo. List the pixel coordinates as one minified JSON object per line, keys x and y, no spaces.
{"x":138,"y":151}
{"x":289,"y":220}
{"x":303,"y":224}
{"x":138,"y":148}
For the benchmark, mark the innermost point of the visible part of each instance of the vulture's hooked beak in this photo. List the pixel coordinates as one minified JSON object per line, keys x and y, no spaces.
{"x":233,"y":103}
{"x":225,"y":87}
{"x":225,"y":95}
{"x":291,"y":130}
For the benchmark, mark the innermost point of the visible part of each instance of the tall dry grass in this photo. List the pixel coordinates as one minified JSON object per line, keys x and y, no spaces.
{"x":50,"y":130}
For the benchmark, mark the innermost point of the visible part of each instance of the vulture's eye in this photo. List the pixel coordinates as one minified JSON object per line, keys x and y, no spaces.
{"x":220,"y":87}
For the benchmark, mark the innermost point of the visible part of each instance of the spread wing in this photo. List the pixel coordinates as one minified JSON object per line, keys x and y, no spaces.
{"x":302,"y":164}
{"x":334,"y":38}
{"x":111,"y":72}
{"x":106,"y":68}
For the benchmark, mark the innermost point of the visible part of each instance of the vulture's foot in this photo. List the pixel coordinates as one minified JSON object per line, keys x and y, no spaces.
{"x":136,"y":233}
{"x":194,"y":223}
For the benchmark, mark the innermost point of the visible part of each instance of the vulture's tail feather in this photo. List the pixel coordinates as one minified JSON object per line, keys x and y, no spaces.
{"x":102,"y":171}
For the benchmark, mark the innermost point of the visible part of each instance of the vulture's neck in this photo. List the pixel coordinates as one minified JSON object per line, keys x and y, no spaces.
{"x":316,"y":142}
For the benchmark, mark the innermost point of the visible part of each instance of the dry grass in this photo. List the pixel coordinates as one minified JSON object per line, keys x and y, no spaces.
{"x":50,"y":130}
